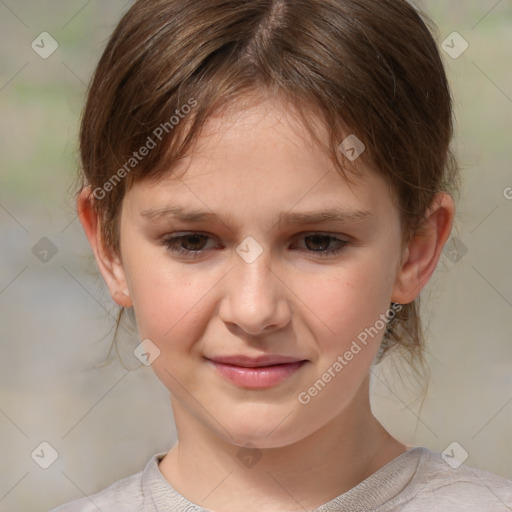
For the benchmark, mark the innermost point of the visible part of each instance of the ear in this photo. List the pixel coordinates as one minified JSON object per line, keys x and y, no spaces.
{"x":424,"y":250}
{"x":109,"y":264}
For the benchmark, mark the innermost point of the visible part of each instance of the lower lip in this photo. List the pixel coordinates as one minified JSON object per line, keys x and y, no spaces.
{"x":260,"y":377}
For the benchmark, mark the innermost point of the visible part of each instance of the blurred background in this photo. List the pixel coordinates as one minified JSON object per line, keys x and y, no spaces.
{"x":103,"y":422}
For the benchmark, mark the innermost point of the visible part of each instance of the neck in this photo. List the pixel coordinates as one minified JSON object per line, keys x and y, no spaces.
{"x":219,"y":475}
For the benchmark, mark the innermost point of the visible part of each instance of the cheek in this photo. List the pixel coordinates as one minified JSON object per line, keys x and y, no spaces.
{"x":347,"y":302}
{"x":168,"y":302}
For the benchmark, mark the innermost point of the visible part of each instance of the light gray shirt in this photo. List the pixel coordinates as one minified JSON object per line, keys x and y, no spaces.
{"x":418,"y":480}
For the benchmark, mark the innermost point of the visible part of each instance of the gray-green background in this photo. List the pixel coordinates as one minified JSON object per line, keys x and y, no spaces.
{"x":56,"y":323}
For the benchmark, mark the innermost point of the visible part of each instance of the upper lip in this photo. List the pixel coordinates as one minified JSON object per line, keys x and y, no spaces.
{"x":254,"y":362}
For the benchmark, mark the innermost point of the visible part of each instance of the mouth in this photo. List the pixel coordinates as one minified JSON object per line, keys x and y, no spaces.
{"x":257,"y":372}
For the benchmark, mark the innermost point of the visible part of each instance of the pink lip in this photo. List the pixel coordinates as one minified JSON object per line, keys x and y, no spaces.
{"x":258,"y":372}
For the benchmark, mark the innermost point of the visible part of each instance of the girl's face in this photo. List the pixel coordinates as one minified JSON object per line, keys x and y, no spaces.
{"x":261,"y":249}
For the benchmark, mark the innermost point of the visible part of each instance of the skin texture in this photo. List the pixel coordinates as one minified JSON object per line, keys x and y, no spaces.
{"x":248,"y":166}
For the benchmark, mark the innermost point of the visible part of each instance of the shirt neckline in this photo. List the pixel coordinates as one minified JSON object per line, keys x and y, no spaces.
{"x":377,"y":489}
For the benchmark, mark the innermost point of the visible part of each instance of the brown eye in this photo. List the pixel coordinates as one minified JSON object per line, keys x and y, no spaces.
{"x":190,"y":245}
{"x":318,"y":242}
{"x":323,"y":245}
{"x":194,"y":242}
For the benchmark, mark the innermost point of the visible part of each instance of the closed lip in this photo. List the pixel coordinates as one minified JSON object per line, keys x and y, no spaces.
{"x":255,"y":362}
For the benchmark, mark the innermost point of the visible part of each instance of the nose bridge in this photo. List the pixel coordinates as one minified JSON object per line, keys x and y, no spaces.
{"x":255,"y":296}
{"x":253,"y":278}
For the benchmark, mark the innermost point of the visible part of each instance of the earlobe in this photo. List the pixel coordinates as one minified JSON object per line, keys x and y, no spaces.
{"x":109,"y":264}
{"x":123,"y":299}
{"x":424,"y":250}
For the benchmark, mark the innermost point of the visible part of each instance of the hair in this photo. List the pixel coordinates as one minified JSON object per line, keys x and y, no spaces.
{"x":365,"y":67}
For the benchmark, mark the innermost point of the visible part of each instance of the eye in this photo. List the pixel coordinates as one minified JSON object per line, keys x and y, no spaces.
{"x":190,"y":245}
{"x":193,"y":245}
{"x":319,"y":243}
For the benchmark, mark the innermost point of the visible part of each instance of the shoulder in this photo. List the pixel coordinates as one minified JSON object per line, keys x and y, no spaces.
{"x":126,"y":495}
{"x":438,"y":485}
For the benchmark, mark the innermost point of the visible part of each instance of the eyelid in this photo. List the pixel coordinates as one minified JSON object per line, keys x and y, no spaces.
{"x":184,"y":234}
{"x":342,"y":237}
{"x":321,"y":233}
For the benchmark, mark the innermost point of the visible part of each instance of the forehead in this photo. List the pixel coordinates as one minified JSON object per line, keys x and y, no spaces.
{"x":255,"y":160}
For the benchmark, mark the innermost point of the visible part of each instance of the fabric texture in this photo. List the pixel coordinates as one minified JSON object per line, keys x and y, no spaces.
{"x":418,"y":480}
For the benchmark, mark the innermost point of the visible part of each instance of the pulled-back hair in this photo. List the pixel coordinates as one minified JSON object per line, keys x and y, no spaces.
{"x":365,"y":67}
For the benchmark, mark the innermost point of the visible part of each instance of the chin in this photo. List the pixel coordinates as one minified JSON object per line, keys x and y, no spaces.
{"x":262,"y":431}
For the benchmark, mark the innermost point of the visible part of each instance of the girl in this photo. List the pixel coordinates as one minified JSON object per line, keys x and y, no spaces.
{"x":266,"y":186}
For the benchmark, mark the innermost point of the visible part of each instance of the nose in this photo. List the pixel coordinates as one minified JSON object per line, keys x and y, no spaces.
{"x":256,"y":299}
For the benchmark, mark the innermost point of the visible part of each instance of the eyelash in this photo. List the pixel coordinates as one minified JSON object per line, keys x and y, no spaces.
{"x":171,"y":242}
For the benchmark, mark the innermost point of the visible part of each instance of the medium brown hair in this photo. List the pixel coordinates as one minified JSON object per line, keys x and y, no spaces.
{"x":364,"y":67}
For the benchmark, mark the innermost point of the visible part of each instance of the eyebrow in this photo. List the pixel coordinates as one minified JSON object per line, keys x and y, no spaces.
{"x":330,"y":215}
